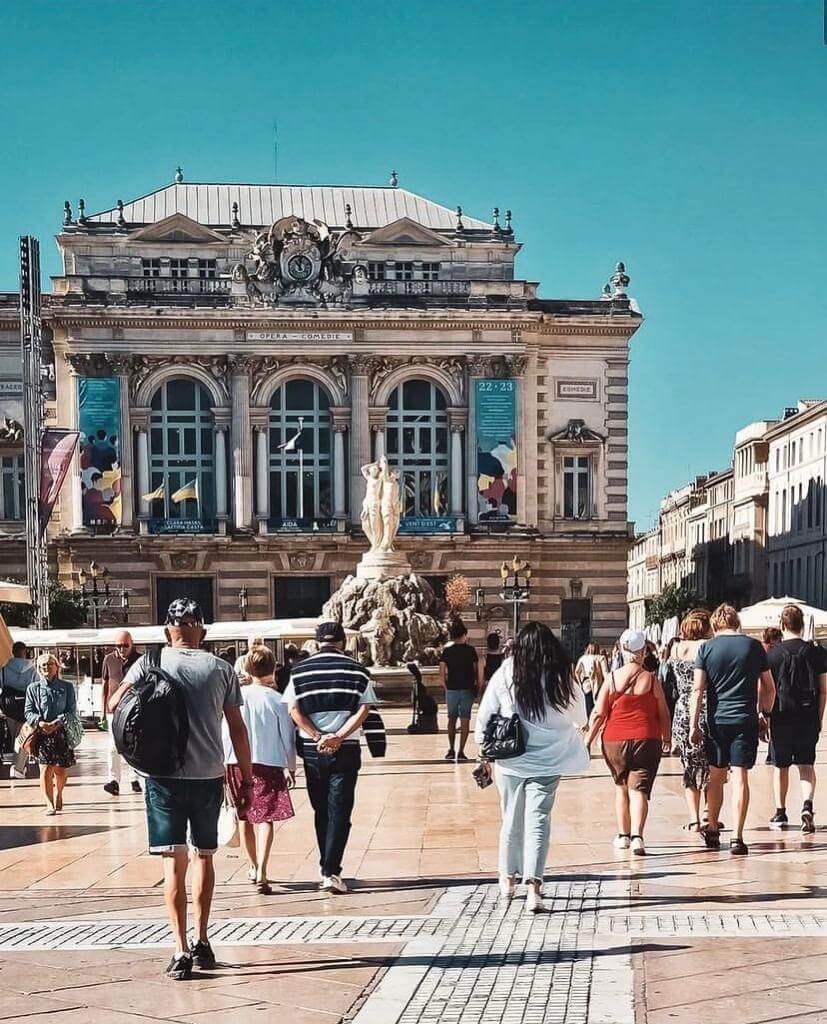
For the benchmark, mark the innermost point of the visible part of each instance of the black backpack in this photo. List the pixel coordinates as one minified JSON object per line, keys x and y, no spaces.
{"x":796,"y":680}
{"x":151,"y":726}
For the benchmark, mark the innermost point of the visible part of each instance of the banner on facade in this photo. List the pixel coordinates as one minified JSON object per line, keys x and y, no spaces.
{"x":99,"y":424}
{"x":496,"y":424}
{"x":56,"y":450}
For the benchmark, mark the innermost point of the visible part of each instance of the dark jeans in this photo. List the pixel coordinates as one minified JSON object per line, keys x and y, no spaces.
{"x":331,"y":786}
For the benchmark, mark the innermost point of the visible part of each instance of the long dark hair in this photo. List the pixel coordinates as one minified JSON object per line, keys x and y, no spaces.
{"x":542,"y":671}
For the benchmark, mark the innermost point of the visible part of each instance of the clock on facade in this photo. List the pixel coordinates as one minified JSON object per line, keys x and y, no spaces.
{"x":300,"y":267}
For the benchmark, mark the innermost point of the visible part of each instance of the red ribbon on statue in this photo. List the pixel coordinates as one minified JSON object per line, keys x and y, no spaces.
{"x":56,"y":450}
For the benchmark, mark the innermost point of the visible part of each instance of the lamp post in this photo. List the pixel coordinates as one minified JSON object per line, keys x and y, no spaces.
{"x":514,"y":589}
{"x":95,"y":592}
{"x":242,"y":603}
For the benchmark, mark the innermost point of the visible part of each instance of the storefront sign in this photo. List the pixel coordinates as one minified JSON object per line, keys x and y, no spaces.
{"x":99,"y":423}
{"x":428,"y":524}
{"x":302,"y":525}
{"x":575,"y":390}
{"x":495,"y":404}
{"x":11,"y":387}
{"x":179,"y":526}
{"x":299,"y":335}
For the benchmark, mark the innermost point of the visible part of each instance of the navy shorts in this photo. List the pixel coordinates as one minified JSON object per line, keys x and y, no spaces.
{"x":458,"y":703}
{"x":732,"y":746}
{"x":793,"y":740}
{"x":174,"y":805}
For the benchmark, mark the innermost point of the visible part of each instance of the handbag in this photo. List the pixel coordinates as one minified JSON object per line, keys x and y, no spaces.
{"x":227,"y":824}
{"x":504,"y":737}
{"x":375,"y":735}
{"x":26,"y":739}
{"x":74,"y":731}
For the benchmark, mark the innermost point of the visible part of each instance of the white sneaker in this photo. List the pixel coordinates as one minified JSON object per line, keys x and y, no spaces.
{"x":637,"y":846}
{"x":533,"y":901}
{"x":621,"y":842}
{"x":15,"y":774}
{"x":333,"y":884}
{"x":506,"y":887}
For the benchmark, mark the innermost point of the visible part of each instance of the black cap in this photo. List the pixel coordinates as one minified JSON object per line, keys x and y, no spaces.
{"x":330,"y":632}
{"x":183,"y":608}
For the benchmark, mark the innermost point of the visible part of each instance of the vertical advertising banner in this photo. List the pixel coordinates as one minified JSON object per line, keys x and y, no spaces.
{"x":496,"y":419}
{"x":56,"y":450}
{"x":99,"y":424}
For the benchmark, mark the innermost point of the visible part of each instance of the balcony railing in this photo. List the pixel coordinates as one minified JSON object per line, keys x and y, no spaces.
{"x":419,"y":287}
{"x":178,"y":285}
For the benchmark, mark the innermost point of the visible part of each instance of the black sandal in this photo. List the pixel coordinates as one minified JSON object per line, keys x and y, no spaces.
{"x":711,"y":838}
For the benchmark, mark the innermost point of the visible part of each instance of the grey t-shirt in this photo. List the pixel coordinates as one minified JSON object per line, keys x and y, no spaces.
{"x":209,"y":685}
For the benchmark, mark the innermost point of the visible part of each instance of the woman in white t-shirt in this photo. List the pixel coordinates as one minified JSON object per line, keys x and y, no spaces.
{"x":590,"y":673}
{"x":537,"y":685}
{"x":273,"y":753}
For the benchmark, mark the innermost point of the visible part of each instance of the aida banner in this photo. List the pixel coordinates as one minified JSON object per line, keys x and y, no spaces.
{"x":99,"y":424}
{"x":496,"y":420}
{"x":56,"y":450}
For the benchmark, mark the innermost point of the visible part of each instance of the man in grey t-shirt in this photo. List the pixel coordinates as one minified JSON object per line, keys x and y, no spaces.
{"x":192,"y":798}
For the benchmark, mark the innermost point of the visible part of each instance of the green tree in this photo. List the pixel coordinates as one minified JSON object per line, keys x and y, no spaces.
{"x":66,"y":609}
{"x":674,"y":601}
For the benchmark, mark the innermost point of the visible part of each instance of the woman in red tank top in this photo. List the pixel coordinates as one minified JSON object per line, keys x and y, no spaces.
{"x":634,"y":717}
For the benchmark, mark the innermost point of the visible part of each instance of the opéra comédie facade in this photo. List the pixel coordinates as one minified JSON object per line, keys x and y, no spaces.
{"x":234,"y":355}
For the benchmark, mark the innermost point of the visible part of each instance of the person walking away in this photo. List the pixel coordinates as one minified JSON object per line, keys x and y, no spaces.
{"x":272,"y":738}
{"x":240,"y":664}
{"x":115,"y":666}
{"x":537,"y":685}
{"x":616,"y":657}
{"x":283,"y":673}
{"x":631,"y":710}
{"x":50,"y":701}
{"x":732,"y":671}
{"x":666,"y":675}
{"x":15,"y":677}
{"x":771,"y":637}
{"x":589,"y":673}
{"x":460,"y":675}
{"x":799,"y":671}
{"x":694,"y":629}
{"x":329,"y":696}
{"x":192,"y":798}
{"x":493,"y":657}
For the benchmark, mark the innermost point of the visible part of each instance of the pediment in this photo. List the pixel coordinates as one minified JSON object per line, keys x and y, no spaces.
{"x":176,"y":228}
{"x":405,"y":232}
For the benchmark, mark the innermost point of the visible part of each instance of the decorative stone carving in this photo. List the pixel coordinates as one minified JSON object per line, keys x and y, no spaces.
{"x":240,"y":365}
{"x":183,"y":560}
{"x":298,"y":263}
{"x":140,"y":367}
{"x":379,"y":368}
{"x":361,"y":365}
{"x":420,"y":559}
{"x":262,"y":367}
{"x":88,"y":364}
{"x":576,"y":432}
{"x":11,"y":432}
{"x":619,"y":282}
{"x":478,"y":365}
{"x":301,"y":560}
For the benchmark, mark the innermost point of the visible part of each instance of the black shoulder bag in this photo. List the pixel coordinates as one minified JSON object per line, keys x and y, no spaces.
{"x":504,"y":737}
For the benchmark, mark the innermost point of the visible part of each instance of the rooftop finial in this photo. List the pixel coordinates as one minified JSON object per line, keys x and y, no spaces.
{"x":235,"y":223}
{"x":67,"y":212}
{"x":619,"y":282}
{"x":508,"y":229}
{"x":348,"y":218}
{"x":607,"y":292}
{"x":497,"y":229}
{"x":121,"y":219}
{"x":179,"y":175}
{"x":394,"y":182}
{"x":81,"y":211}
{"x":460,"y":225}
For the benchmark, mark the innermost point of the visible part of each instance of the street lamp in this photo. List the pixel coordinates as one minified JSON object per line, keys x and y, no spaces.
{"x":95,"y":593}
{"x":242,"y":603}
{"x":515,"y":589}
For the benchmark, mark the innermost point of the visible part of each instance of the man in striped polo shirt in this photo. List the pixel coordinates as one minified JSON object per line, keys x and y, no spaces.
{"x":329,"y":696}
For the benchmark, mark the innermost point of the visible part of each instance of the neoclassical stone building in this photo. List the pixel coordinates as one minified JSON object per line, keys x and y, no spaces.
{"x":233,"y":355}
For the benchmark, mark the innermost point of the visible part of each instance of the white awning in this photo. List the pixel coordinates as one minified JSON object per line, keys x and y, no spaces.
{"x":15,"y":593}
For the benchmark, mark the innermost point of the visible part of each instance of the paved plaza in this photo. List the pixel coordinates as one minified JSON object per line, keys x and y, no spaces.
{"x":682,"y":935}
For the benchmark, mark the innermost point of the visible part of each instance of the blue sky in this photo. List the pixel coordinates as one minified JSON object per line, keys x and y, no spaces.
{"x":687,"y":139}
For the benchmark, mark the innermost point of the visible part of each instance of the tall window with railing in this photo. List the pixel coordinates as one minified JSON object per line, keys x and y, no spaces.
{"x":12,"y":501}
{"x":151,"y":267}
{"x":182,"y":453}
{"x":417,"y":446}
{"x":300,"y":442}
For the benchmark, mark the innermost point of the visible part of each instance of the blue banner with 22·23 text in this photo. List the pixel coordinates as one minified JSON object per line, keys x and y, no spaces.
{"x":99,"y":447}
{"x":496,"y":420}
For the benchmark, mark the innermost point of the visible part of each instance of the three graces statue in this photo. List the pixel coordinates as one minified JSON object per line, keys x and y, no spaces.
{"x":382,"y":508}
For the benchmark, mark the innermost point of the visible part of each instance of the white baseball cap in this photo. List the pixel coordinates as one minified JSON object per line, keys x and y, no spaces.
{"x":632,"y":640}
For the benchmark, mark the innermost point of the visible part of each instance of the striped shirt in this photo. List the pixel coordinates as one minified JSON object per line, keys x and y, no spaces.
{"x":329,"y":687}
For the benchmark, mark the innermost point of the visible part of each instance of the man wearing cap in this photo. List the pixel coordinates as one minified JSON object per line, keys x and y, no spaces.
{"x":192,"y":798}
{"x":329,"y":696}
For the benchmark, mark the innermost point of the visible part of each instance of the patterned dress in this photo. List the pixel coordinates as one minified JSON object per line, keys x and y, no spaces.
{"x":695,"y":764}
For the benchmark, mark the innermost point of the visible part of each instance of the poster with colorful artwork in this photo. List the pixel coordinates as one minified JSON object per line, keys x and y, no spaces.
{"x":99,"y":447}
{"x":496,"y":420}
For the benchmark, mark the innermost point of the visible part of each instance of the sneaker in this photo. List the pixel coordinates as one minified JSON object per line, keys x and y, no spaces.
{"x":779,"y":820}
{"x":461,"y":758}
{"x":136,"y":786}
{"x":203,"y":956}
{"x":621,"y":842}
{"x":180,"y":967}
{"x":808,"y":822}
{"x":738,"y":848}
{"x":112,"y":788}
{"x":637,"y":846}
{"x":507,"y":887}
{"x":15,"y":774}
{"x":533,"y":901}
{"x":450,"y":756}
{"x":333,"y":884}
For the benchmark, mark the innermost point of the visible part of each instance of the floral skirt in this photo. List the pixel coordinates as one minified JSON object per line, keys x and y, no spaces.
{"x":270,"y":798}
{"x":54,"y":749}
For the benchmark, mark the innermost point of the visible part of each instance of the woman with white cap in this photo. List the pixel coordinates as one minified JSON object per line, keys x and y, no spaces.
{"x":634,"y":716}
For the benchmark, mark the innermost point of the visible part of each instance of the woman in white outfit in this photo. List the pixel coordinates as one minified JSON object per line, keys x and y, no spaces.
{"x":537,"y":685}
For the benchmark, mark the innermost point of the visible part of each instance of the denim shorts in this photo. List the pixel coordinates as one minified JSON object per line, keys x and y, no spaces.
{"x":458,"y":703}
{"x":732,"y":746}
{"x":172,"y":805}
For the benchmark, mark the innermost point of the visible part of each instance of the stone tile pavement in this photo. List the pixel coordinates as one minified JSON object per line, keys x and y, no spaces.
{"x":681,"y":935}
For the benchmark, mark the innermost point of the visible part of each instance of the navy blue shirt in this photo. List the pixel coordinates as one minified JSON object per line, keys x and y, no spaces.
{"x":733,"y":664}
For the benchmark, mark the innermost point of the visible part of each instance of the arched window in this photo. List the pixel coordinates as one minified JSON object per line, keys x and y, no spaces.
{"x":300,"y":444}
{"x":182,"y":452}
{"x":417,"y":446}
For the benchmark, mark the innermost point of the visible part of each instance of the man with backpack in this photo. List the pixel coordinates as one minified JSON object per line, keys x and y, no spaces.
{"x":181,"y":694}
{"x":799,"y":669}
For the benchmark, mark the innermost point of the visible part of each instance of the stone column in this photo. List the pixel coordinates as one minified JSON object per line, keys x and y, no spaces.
{"x":378,"y":415}
{"x":359,"y":432}
{"x":143,"y":477}
{"x":339,"y":471}
{"x":456,"y":469}
{"x":262,"y":477}
{"x":127,"y":491}
{"x":477,"y":370}
{"x":516,"y":367}
{"x":241,"y":445}
{"x":221,"y":477}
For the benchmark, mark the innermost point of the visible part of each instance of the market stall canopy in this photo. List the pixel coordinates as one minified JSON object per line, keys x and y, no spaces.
{"x":757,"y":617}
{"x":15,"y":593}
